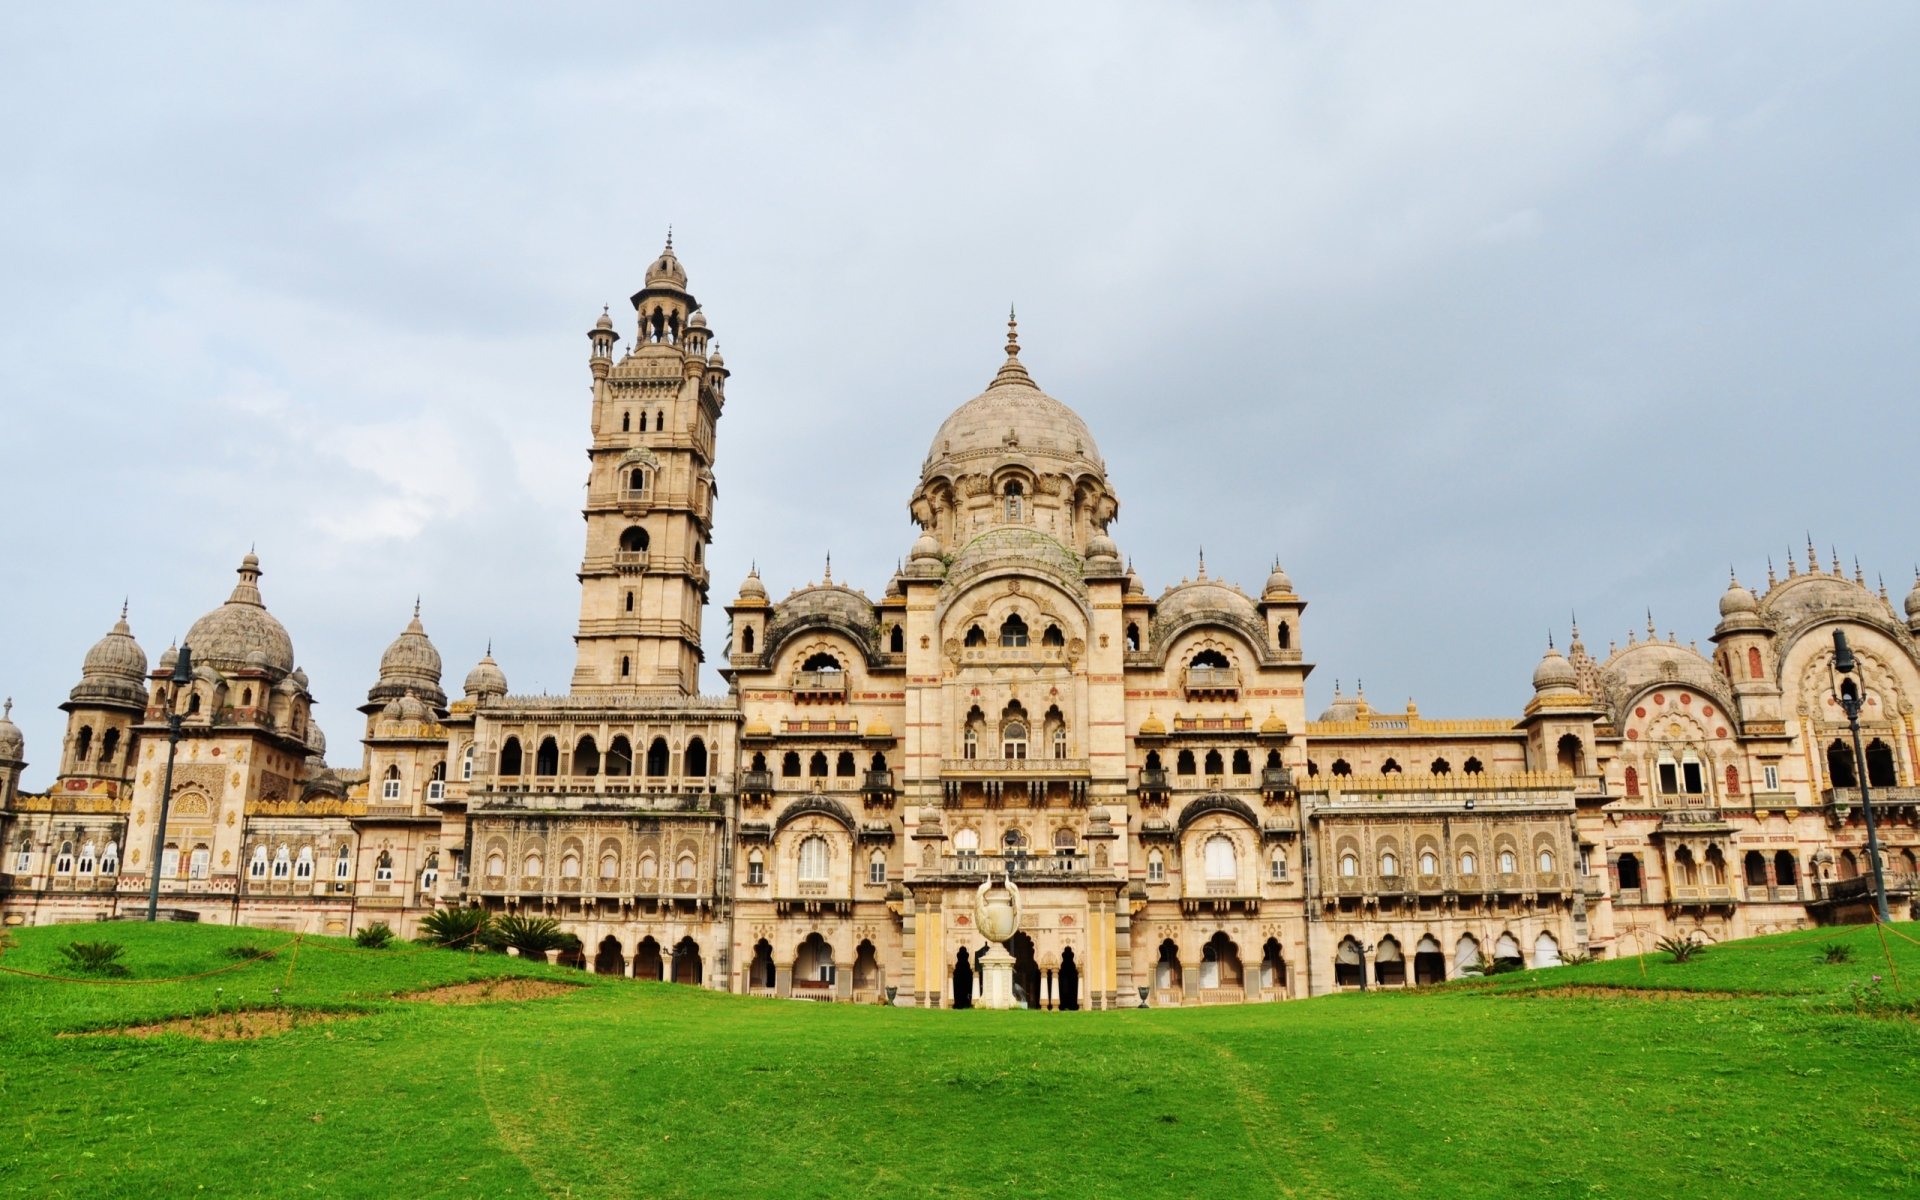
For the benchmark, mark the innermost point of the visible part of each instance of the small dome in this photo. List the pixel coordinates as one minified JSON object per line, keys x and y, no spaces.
{"x":605,"y":321}
{"x":757,"y":728}
{"x":1134,"y":586}
{"x":714,"y":358}
{"x":486,"y":678}
{"x":1153,"y":726}
{"x":300,"y":677}
{"x":1737,"y":599}
{"x":929,"y":815}
{"x":878,"y":728}
{"x":1913,"y":599}
{"x":1273,"y":723}
{"x":1102,"y":546}
{"x":230,"y":636}
{"x":1099,"y":815}
{"x":697,"y":321}
{"x":751,"y":588}
{"x":1206,"y":595}
{"x":1554,"y":672}
{"x":413,"y":709}
{"x":666,"y":270}
{"x":316,"y":740}
{"x":168,"y":658}
{"x":13,"y":743}
{"x":1277,"y":583}
{"x":411,"y":658}
{"x":928,"y":546}
{"x":392,"y":710}
{"x":115,"y":670}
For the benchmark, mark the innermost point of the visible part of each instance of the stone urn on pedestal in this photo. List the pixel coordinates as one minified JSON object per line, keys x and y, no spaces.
{"x":996,"y":914}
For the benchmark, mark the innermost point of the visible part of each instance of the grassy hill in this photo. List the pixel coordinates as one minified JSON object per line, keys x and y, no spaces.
{"x":1757,"y":1070}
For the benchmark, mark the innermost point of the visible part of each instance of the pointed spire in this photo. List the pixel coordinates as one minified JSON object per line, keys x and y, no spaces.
{"x":1883,"y":586}
{"x":1859,"y":576}
{"x":1835,"y":550}
{"x":1792,"y":568}
{"x":1203,"y":562}
{"x":1813,"y":556}
{"x":1770,"y":575}
{"x":827,"y":579}
{"x":247,"y":591}
{"x":1650,"y":629}
{"x":6,"y":710}
{"x":1013,"y":333}
{"x":669,"y":238}
{"x":416,"y":606}
{"x":1012,"y":371}
{"x":489,"y":647}
{"x":123,"y":608}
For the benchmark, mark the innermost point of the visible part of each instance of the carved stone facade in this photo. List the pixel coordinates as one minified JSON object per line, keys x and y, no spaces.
{"x":1014,"y":703}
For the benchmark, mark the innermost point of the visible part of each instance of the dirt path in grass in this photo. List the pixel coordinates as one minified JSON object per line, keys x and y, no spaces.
{"x":1260,"y":1120}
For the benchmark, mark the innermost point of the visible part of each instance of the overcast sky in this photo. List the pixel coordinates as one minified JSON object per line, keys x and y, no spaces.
{"x":1474,"y":316}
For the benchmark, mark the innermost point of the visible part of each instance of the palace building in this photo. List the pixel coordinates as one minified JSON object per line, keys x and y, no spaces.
{"x":1014,"y":701}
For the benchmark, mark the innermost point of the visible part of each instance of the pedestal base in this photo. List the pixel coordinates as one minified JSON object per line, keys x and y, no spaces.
{"x":996,"y":978}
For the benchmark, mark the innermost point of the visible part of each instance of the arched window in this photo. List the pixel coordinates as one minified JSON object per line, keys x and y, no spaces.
{"x":843,"y":764}
{"x":586,"y":757}
{"x":660,"y":420}
{"x":975,"y":637}
{"x":896,"y":641}
{"x":1282,"y":637}
{"x":1389,"y":863}
{"x":1390,"y":767}
{"x":1629,"y":868}
{"x":1013,"y":740}
{"x":1183,"y":763}
{"x":547,"y":760}
{"x":657,"y":758}
{"x":626,"y":422}
{"x":303,"y":866}
{"x":821,"y":661}
{"x":1509,"y":863}
{"x":83,"y":743}
{"x":1156,"y":867}
{"x":1215,"y":764}
{"x":198,"y":862}
{"x":1349,"y":865}
{"x":790,"y":764}
{"x":570,"y":865}
{"x":1064,"y":841}
{"x":1059,"y":741}
{"x":510,"y":757}
{"x":110,"y":859}
{"x":1632,"y":782}
{"x":1785,"y":871}
{"x":1880,"y":768}
{"x":1840,"y":765}
{"x":1753,"y":663}
{"x":282,"y":863}
{"x":193,"y":705}
{"x":1341,"y":767}
{"x":257,"y":864}
{"x":390,"y":784}
{"x":817,"y":765}
{"x":1546,"y":861}
{"x":966,"y":842}
{"x":1221,"y":861}
{"x":694,"y":762}
{"x":1133,"y":637}
{"x":746,"y":640}
{"x":609,"y":865}
{"x":1469,"y":864}
{"x":1546,"y":951}
{"x":813,"y":860}
{"x":1016,"y":500}
{"x":1210,"y":658}
{"x":1571,"y":756}
{"x":1442,"y":767}
{"x":637,"y":480}
{"x":970,"y":743}
{"x":619,"y":756}
{"x":1277,"y":866}
{"x":756,"y":868}
{"x":1013,"y":631}
{"x":1429,"y":863}
{"x":634,"y":540}
{"x":343,"y":863}
{"x":466,"y":762}
{"x":1473,"y":767}
{"x":430,"y":871}
{"x":649,"y":865}
{"x":877,"y":868}
{"x":530,"y":867}
{"x":1243,"y":763}
{"x":109,"y":744}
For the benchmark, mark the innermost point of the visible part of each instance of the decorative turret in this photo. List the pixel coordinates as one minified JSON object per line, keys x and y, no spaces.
{"x":13,"y":755}
{"x":602,"y":337}
{"x":486,"y":680}
{"x":409,"y":667}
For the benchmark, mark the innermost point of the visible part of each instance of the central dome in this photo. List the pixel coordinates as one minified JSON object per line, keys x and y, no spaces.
{"x":241,"y":634}
{"x":1012,"y":417}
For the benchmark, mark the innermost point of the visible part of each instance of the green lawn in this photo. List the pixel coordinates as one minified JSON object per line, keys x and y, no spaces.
{"x":1803,"y":1084}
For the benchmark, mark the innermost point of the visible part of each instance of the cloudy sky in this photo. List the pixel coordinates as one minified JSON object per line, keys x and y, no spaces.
{"x":1474,"y":316}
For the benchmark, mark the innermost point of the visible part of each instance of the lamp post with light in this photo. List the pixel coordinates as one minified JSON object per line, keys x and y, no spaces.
{"x":1848,"y":694}
{"x":182,"y":677}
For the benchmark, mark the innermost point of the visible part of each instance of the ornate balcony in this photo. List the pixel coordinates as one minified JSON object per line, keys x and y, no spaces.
{"x":1022,"y":868}
{"x":820,"y":685}
{"x":1220,"y":683}
{"x":630,"y":562}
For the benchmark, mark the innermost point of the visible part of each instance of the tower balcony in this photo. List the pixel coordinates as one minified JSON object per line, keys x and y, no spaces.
{"x":630,"y":562}
{"x":820,"y":685}
{"x":1211,"y":683}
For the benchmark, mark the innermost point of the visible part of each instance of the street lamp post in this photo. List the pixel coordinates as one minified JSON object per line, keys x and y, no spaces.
{"x":182,"y":677}
{"x":1848,"y":693}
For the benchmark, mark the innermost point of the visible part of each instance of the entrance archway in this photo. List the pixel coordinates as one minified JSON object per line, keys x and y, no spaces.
{"x":686,"y":962}
{"x":1220,"y":964}
{"x":761,"y":972}
{"x":1389,"y":967}
{"x":609,"y":960}
{"x":866,"y":971}
{"x":1069,"y":981}
{"x":1429,"y":962}
{"x":1026,"y":971}
{"x":646,"y":960}
{"x":1167,"y":980}
{"x":963,"y":980}
{"x":813,"y":967}
{"x":1273,"y":969}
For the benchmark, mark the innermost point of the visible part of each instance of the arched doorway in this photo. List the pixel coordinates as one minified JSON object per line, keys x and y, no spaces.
{"x":1389,"y":965}
{"x":686,"y":962}
{"x":1466,"y":955}
{"x":1429,"y":964}
{"x":646,"y":960}
{"x":609,"y":960}
{"x":813,"y":967}
{"x":1349,"y":966}
{"x":761,"y":972}
{"x":1220,"y":966}
{"x":1069,"y":979}
{"x":963,"y":980}
{"x":1166,"y":974}
{"x":1273,"y":969}
{"x":866,"y":972}
{"x":1026,"y":972}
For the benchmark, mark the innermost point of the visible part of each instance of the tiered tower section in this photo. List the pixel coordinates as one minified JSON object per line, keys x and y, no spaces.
{"x":650,"y":492}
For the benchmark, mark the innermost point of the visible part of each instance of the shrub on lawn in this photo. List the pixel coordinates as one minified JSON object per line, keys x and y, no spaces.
{"x":1836,"y":952}
{"x":1680,"y":949}
{"x":246,"y":951}
{"x":94,"y":958}
{"x":531,"y":936}
{"x":456,"y":928}
{"x":374,"y":937}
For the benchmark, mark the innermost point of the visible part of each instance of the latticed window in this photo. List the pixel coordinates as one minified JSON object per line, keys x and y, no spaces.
{"x":303,"y":866}
{"x":1014,"y":740}
{"x":1222,"y":864}
{"x":813,"y":860}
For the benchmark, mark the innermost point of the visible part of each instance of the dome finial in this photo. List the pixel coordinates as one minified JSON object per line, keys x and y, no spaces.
{"x":6,"y":710}
{"x":416,"y":606}
{"x":1013,"y":333}
{"x":1203,"y":562}
{"x":669,"y":238}
{"x":827,"y":579}
{"x":123,"y":607}
{"x":1770,"y":574}
{"x":1650,"y":629}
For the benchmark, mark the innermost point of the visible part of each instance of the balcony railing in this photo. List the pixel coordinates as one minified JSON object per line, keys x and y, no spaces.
{"x":1021,"y":867}
{"x":1153,"y":780}
{"x":1024,"y":768}
{"x":1222,"y":681}
{"x":819,"y":684}
{"x":878,"y":783}
{"x":630,"y":560}
{"x":756,"y":781}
